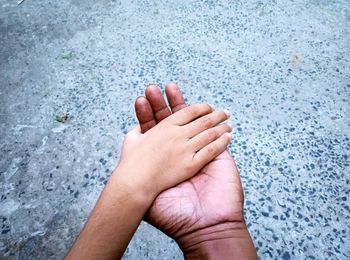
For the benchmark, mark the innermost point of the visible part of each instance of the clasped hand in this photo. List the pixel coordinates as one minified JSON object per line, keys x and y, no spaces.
{"x":176,"y":173}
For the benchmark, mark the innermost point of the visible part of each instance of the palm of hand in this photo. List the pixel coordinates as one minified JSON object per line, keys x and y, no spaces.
{"x":211,"y":197}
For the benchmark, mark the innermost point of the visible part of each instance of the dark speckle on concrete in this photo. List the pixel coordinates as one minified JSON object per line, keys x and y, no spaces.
{"x":286,"y":256}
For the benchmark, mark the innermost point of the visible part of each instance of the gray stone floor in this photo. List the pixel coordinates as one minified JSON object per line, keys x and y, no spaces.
{"x":281,"y":67}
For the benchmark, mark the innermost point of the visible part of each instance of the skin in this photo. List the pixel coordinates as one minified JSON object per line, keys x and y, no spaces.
{"x":204,"y":214}
{"x":166,"y":155}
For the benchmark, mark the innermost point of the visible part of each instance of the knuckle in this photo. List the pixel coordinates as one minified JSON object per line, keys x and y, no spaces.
{"x":188,"y":168}
{"x":212,"y":149}
{"x":212,"y":134}
{"x":209,"y":135}
{"x":206,"y":121}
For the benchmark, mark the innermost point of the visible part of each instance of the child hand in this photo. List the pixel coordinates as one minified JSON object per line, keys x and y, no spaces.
{"x":174,"y":150}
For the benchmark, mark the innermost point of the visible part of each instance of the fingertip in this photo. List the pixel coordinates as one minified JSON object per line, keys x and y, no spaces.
{"x":144,"y":114}
{"x":211,"y":106}
{"x":140,"y":101}
{"x":152,"y":89}
{"x":228,"y":114}
{"x":143,"y":109}
{"x":171,"y":86}
{"x":228,"y":137}
{"x":157,"y":102}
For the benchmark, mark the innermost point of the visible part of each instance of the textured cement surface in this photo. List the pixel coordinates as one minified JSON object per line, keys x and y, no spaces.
{"x":281,"y":67}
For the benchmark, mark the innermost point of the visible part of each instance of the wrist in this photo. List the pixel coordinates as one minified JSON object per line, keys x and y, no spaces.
{"x":229,"y":240}
{"x":134,"y":189}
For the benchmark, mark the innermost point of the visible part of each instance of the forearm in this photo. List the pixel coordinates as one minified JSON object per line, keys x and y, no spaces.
{"x":114,"y":220}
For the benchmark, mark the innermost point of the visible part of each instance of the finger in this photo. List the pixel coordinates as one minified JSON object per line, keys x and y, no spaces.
{"x":211,"y":151}
{"x":206,"y":122}
{"x":144,"y":114}
{"x":175,"y":97}
{"x":157,"y":101}
{"x":190,"y":113}
{"x":208,"y":136}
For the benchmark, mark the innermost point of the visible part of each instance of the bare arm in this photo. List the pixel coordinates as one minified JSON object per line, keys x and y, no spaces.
{"x":113,"y":221}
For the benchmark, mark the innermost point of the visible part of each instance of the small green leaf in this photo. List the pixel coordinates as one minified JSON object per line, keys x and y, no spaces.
{"x":67,"y":56}
{"x":62,"y":119}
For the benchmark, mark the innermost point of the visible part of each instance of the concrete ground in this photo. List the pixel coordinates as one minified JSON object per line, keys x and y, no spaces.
{"x":281,"y":67}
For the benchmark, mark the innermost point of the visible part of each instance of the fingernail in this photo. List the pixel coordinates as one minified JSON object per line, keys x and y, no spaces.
{"x":152,"y":86}
{"x":212,"y":107}
{"x":229,"y":136}
{"x":230,"y":125}
{"x":227,"y":112}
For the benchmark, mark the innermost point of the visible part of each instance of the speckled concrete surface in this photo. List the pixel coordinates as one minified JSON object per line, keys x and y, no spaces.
{"x":281,"y":67}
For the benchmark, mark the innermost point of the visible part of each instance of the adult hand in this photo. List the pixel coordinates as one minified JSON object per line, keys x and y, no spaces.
{"x":204,"y":215}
